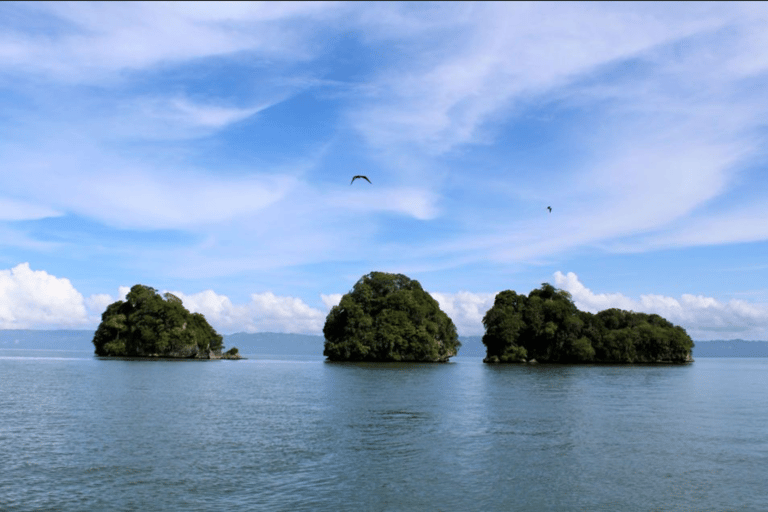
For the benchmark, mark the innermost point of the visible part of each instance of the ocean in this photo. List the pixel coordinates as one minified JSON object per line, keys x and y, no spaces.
{"x":292,"y":432}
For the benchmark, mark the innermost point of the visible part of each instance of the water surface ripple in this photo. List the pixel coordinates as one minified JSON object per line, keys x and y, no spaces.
{"x":80,"y":433}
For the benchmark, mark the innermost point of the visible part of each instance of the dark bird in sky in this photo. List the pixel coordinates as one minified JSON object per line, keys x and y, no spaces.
{"x":360,"y":176}
{"x":549,"y":208}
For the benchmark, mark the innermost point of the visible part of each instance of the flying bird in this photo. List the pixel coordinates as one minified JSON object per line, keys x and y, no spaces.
{"x":360,"y":176}
{"x":549,"y":208}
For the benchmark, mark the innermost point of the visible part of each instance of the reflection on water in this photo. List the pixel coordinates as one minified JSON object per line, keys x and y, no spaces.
{"x":298,"y":433}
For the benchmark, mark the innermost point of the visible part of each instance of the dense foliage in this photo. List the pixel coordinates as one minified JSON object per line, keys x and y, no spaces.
{"x":389,"y":317}
{"x":547,"y":326}
{"x":148,"y":324}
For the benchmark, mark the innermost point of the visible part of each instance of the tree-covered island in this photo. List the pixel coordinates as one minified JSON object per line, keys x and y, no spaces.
{"x":389,"y":317}
{"x":147,"y":324}
{"x":546,"y":326}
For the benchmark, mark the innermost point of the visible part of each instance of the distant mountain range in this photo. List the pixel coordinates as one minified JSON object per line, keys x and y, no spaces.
{"x":730,"y":348}
{"x":307,"y":344}
{"x":52,"y":340}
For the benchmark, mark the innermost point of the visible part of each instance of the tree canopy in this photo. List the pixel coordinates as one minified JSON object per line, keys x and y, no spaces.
{"x":547,"y":326}
{"x":389,"y":317}
{"x":148,"y":324}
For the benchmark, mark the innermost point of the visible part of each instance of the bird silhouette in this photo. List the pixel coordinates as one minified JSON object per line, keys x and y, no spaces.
{"x":360,"y":176}
{"x":549,"y":208}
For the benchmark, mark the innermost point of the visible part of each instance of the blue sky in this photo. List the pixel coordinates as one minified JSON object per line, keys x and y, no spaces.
{"x":207,"y":149}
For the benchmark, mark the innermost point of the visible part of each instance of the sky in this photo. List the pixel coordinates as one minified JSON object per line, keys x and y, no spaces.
{"x":207,"y":149}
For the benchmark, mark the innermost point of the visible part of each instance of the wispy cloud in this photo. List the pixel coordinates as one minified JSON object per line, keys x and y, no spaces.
{"x":120,"y":192}
{"x":19,"y":238}
{"x":98,"y":40}
{"x":172,"y":118}
{"x":420,"y":203}
{"x":659,"y":150}
{"x":13,"y":209}
{"x":207,"y":115}
{"x":509,"y":52}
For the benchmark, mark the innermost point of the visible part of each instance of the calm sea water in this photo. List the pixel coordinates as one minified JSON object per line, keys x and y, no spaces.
{"x":79,"y":433}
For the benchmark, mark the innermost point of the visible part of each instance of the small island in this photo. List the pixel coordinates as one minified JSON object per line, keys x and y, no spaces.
{"x":389,"y":317}
{"x":546,"y":326}
{"x":149,"y":325}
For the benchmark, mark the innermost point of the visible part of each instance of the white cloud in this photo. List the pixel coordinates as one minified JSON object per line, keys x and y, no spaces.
{"x":173,"y":118}
{"x":415,"y":202}
{"x":141,"y":200}
{"x":13,"y":209}
{"x":650,"y":185}
{"x":250,"y":11}
{"x":665,"y":97}
{"x":31,"y":298}
{"x":466,"y":68}
{"x":266,"y":312}
{"x":18,"y":238}
{"x":169,"y":206}
{"x":658,"y":145}
{"x":121,"y":194}
{"x":209,"y":115}
{"x":466,"y":309}
{"x":37,"y":300}
{"x":218,"y":310}
{"x":286,"y":314}
{"x":96,"y":40}
{"x":507,"y":51}
{"x":702,"y":317}
{"x":331,"y":300}
{"x":667,"y":177}
{"x":122,"y":292}
{"x":97,"y":304}
{"x":740,"y":225}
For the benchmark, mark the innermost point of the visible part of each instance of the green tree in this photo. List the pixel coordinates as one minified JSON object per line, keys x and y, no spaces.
{"x":547,"y":326}
{"x":110,"y":336}
{"x":146,"y":324}
{"x":579,"y":351}
{"x":503,"y":325}
{"x":552,"y":324}
{"x":389,"y":317}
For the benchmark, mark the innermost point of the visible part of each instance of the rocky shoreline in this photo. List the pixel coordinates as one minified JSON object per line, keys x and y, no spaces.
{"x":186,"y":355}
{"x":157,"y":357}
{"x":496,"y":360}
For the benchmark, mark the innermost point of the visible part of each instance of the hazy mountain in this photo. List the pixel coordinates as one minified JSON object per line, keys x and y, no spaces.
{"x":247,"y":343}
{"x":730,"y":348}
{"x":473,"y":346}
{"x":307,"y":344}
{"x":52,"y":340}
{"x":275,"y":343}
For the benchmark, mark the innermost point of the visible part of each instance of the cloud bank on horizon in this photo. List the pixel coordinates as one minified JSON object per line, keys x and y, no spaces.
{"x":209,"y":146}
{"x":31,"y":299}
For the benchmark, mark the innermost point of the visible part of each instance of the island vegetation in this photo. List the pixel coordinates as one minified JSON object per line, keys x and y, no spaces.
{"x":389,"y":317}
{"x":546,"y":326}
{"x":147,"y":324}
